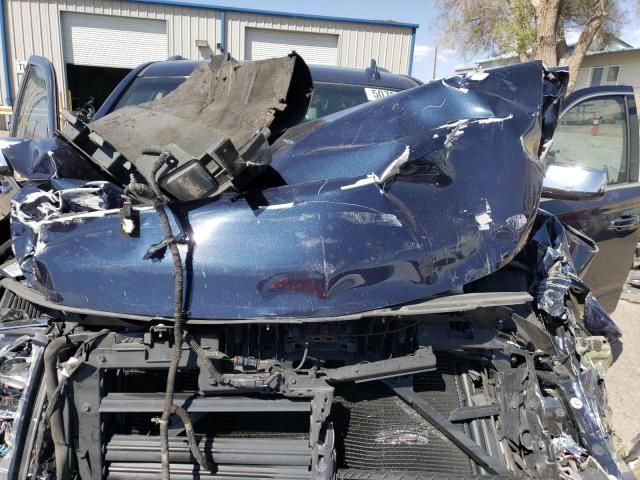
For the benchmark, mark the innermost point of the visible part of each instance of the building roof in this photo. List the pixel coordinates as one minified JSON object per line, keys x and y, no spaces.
{"x":192,"y":4}
{"x":616,"y":45}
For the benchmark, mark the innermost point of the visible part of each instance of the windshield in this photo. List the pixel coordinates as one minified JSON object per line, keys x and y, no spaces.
{"x":146,"y":89}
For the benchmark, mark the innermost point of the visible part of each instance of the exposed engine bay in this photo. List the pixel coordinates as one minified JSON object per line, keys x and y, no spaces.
{"x":329,"y":300}
{"x":483,"y":391}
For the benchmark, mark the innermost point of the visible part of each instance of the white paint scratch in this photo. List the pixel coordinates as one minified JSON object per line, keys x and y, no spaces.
{"x":391,"y":171}
{"x":485,"y":121}
{"x":279,"y":206}
{"x":477,"y":75}
{"x":360,"y":183}
{"x":484,"y":219}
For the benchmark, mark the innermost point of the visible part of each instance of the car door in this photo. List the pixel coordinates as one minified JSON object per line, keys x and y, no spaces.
{"x":35,"y":116}
{"x":599,"y":128}
{"x":36,"y":112}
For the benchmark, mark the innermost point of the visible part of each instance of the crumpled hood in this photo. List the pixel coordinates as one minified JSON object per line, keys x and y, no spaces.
{"x":387,"y":203}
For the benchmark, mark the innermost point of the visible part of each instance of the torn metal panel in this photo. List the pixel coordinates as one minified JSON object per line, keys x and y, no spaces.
{"x":584,"y":397}
{"x":375,"y":212}
{"x":220,"y":99}
{"x":39,"y":160}
{"x":33,"y":207}
{"x":558,"y":247}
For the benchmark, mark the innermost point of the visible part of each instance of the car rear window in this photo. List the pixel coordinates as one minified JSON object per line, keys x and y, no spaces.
{"x":327,"y":98}
{"x":330,"y":98}
{"x":146,"y":89}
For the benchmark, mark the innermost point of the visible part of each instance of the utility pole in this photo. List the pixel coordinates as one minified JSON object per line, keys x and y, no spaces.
{"x":435,"y":60}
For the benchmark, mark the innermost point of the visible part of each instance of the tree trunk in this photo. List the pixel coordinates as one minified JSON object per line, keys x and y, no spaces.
{"x":547,"y":18}
{"x":601,"y":10}
{"x":561,"y":42}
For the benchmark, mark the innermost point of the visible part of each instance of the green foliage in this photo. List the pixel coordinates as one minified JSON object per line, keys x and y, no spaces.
{"x":468,"y":25}
{"x":516,"y":32}
{"x":495,"y":27}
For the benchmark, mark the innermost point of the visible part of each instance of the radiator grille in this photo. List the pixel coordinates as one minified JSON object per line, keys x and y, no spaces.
{"x":11,"y":300}
{"x":376,"y":430}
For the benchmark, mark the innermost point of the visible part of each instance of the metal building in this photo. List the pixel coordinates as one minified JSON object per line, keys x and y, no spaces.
{"x":93,"y":43}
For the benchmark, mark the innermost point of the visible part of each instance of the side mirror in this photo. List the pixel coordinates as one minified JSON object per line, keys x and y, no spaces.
{"x":574,"y":182}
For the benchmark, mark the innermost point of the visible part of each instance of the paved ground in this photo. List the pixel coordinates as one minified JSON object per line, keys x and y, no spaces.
{"x":623,"y":378}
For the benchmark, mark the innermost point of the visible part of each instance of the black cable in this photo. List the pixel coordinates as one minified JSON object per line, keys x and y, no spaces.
{"x":206,"y":358}
{"x":153,"y":192}
{"x":191,"y":438}
{"x":159,"y":202}
{"x":304,"y":359}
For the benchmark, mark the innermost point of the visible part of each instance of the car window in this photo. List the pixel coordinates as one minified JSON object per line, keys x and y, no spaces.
{"x":146,"y":89}
{"x":32,"y":114}
{"x":330,"y":98}
{"x":327,"y":98}
{"x":593,"y":133}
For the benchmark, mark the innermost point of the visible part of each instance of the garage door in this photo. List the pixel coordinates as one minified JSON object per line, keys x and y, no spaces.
{"x":315,"y":48}
{"x":109,"y":41}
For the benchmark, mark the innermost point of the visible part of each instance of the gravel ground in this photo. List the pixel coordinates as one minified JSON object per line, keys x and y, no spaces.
{"x":623,"y":377}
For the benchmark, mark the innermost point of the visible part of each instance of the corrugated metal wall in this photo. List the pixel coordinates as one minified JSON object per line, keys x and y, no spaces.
{"x":358,"y":43}
{"x":34,"y":27}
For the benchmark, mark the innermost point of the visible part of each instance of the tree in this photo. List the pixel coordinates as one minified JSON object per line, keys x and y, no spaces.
{"x":530,"y":28}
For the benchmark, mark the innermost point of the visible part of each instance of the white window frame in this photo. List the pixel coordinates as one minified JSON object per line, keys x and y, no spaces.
{"x":605,"y":74}
{"x":609,"y":67}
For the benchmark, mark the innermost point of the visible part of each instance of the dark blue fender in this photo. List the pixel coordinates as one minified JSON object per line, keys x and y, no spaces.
{"x":387,"y":203}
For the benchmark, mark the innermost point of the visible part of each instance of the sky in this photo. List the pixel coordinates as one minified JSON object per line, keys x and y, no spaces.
{"x":422,"y":12}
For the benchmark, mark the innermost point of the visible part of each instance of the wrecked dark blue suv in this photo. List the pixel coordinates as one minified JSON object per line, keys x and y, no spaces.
{"x":207,"y":286}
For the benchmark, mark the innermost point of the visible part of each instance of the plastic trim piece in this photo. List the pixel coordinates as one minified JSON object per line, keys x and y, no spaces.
{"x":454,"y":303}
{"x":152,"y":402}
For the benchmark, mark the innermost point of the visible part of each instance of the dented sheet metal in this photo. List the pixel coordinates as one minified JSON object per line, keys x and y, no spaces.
{"x":563,"y":255}
{"x":387,"y":203}
{"x":40,"y":160}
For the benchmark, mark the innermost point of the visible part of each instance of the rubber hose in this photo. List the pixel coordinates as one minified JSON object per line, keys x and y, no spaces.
{"x":56,"y":423}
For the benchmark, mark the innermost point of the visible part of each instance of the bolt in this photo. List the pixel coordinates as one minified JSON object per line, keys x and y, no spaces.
{"x":597,"y":449}
{"x":86,"y":407}
{"x":102,"y":358}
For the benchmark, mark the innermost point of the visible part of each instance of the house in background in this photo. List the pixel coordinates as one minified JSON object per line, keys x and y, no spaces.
{"x":613,"y":63}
